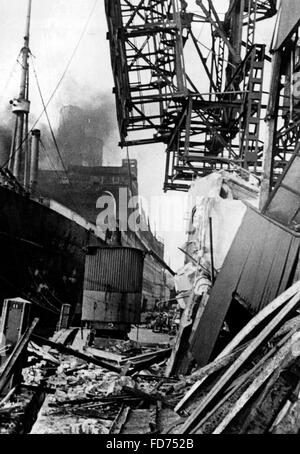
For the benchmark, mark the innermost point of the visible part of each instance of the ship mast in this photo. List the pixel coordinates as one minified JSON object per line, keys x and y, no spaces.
{"x":21,"y":107}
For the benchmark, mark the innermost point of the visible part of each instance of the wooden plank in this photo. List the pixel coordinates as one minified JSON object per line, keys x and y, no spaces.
{"x":102,"y":354}
{"x":9,"y":366}
{"x":38,"y":388}
{"x":153,"y":397}
{"x":189,"y":395}
{"x":200,"y":311}
{"x":200,"y":375}
{"x":131,"y":368}
{"x":120,"y":420}
{"x":68,"y":335}
{"x":293,"y":323}
{"x":182,"y":337}
{"x":262,"y":336}
{"x":281,"y":415}
{"x":259,"y":318}
{"x":7,"y":397}
{"x":37,"y":351}
{"x":145,"y":357}
{"x":258,"y":402}
{"x":228,"y":354}
{"x":286,"y":409}
{"x":277,"y":361}
{"x":225,"y":360}
{"x":70,"y":351}
{"x":88,"y":401}
{"x":245,"y":377}
{"x":184,"y":357}
{"x":180,"y":350}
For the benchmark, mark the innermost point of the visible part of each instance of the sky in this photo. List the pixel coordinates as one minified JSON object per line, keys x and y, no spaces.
{"x":56,"y":28}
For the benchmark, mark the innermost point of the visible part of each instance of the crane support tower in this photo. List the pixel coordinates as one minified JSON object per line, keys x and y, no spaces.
{"x":193,"y":81}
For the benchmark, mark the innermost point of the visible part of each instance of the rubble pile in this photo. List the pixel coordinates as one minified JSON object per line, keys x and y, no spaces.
{"x":253,"y":384}
{"x":12,"y":413}
{"x":91,"y":399}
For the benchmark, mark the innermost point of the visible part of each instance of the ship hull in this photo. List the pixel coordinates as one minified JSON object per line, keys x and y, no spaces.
{"x":42,"y":257}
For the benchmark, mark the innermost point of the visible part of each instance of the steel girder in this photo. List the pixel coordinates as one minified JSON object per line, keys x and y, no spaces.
{"x":157,"y":98}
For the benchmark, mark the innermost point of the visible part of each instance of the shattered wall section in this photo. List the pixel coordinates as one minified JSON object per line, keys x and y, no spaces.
{"x":210,"y":197}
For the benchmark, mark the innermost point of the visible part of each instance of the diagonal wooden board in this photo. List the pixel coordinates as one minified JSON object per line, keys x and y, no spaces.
{"x":275,"y":362}
{"x":259,"y":318}
{"x":262,"y":336}
{"x":201,"y":374}
{"x":244,"y":378}
{"x":232,"y":350}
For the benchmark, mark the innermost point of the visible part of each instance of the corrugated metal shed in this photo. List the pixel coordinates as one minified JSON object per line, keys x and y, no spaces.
{"x":260,"y":265}
{"x":113,"y":286}
{"x":114,"y":269}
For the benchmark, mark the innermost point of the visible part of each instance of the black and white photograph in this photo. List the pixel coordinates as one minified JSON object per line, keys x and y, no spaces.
{"x":149,"y":220}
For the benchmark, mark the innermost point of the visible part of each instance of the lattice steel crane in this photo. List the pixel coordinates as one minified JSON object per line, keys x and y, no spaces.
{"x":202,"y":99}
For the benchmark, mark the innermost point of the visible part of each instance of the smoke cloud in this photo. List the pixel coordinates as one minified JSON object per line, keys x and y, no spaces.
{"x":86,"y":133}
{"x":5,"y":144}
{"x":6,"y":133}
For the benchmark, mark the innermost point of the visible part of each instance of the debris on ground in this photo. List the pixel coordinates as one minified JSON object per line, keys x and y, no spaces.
{"x":251,"y":386}
{"x":248,"y":387}
{"x":90,"y":398}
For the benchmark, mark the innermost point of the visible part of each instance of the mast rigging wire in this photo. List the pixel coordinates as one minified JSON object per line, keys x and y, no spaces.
{"x":58,"y":83}
{"x":9,"y":77}
{"x":54,"y":139}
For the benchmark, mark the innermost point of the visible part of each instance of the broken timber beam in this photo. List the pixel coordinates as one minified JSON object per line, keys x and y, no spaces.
{"x":289,"y":408}
{"x":9,"y":366}
{"x":69,"y":351}
{"x":200,"y":375}
{"x":120,"y":420}
{"x":153,"y":397}
{"x":144,"y":361}
{"x":250,"y":374}
{"x":276,"y":362}
{"x":262,"y":336}
{"x":106,"y":356}
{"x":259,"y":318}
